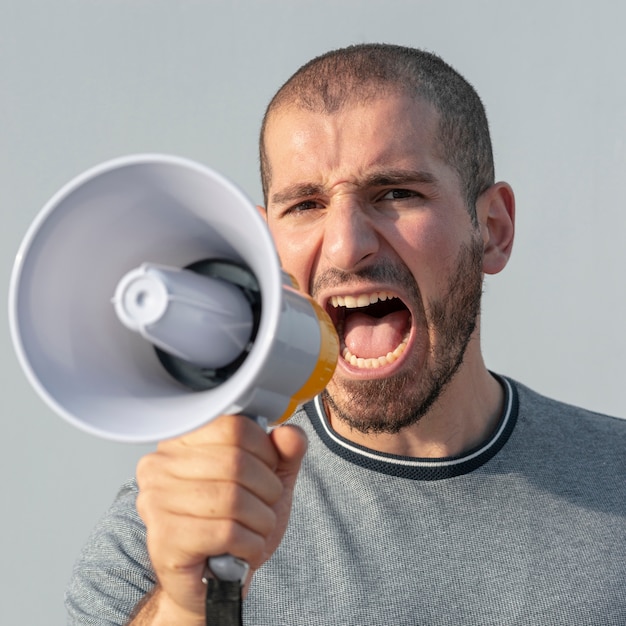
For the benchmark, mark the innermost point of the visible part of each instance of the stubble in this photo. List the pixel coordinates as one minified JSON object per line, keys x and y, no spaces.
{"x":390,"y":404}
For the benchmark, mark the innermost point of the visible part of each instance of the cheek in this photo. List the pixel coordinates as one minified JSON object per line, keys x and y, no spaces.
{"x":429,"y":248}
{"x":423,"y":234}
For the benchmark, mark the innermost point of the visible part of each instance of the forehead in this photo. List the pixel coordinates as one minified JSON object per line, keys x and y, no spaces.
{"x":393,"y":131}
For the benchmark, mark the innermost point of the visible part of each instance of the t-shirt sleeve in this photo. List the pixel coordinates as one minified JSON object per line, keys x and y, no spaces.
{"x":113,"y":572}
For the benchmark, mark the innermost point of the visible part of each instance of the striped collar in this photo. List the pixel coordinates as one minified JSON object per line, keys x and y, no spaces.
{"x":412,"y":467}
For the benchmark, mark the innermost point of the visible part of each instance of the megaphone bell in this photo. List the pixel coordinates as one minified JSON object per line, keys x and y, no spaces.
{"x":147,"y":298}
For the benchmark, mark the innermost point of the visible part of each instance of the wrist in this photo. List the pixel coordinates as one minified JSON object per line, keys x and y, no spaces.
{"x":160,"y":610}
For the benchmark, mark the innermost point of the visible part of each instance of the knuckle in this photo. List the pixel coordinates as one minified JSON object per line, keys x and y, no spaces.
{"x":143,"y":470}
{"x":269,"y":522}
{"x":144,"y":506}
{"x":240,"y":541}
{"x":148,"y":469}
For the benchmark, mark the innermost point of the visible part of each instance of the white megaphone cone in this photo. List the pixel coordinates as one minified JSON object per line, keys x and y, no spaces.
{"x":232,"y":335}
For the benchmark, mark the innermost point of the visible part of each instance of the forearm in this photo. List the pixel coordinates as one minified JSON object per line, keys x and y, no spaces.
{"x":157,"y":609}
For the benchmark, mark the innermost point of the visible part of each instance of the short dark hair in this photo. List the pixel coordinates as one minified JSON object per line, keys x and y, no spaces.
{"x":368,"y":71}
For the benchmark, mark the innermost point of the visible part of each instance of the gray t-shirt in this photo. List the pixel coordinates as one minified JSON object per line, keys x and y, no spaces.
{"x":529,"y":528}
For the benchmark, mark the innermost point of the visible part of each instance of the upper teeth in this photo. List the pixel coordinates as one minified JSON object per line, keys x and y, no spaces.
{"x":363,"y":299}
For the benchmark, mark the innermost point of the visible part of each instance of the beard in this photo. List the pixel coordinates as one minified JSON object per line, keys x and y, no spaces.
{"x":388,"y":405}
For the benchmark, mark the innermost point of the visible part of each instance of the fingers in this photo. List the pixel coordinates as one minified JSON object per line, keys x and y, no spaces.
{"x":197,"y":467}
{"x":219,"y":500}
{"x":180,"y":547}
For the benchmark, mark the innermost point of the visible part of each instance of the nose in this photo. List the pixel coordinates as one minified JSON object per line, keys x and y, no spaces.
{"x":350,"y":235}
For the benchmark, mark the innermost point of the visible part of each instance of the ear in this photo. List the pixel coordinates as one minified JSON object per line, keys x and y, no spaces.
{"x":495,"y":210}
{"x":262,"y":210}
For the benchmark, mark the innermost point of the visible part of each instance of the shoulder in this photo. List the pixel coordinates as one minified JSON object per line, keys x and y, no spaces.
{"x":533,"y":405}
{"x":568,"y":444}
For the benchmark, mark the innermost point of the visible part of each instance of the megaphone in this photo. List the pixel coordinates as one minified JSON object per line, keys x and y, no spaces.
{"x":147,"y":298}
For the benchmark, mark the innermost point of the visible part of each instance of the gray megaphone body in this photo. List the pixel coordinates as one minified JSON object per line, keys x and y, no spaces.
{"x":100,"y":280}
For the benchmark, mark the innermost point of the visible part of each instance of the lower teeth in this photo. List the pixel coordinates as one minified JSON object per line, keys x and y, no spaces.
{"x":373,"y":363}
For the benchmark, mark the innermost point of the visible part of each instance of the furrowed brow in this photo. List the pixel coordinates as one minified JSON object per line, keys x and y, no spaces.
{"x":284,"y":196}
{"x":382,"y":178}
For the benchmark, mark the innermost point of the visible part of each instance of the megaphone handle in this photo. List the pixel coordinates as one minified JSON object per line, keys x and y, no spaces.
{"x":223,"y":602}
{"x":226,"y":577}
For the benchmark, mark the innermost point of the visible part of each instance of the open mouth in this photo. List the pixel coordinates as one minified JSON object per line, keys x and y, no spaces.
{"x":373,"y":328}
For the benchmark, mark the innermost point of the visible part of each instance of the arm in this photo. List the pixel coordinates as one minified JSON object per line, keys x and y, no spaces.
{"x":154,"y":609}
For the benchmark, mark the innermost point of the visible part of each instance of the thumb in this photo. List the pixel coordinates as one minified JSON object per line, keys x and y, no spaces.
{"x":291,"y":444}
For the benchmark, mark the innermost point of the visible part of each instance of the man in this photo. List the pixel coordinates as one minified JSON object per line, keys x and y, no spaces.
{"x":433,"y":491}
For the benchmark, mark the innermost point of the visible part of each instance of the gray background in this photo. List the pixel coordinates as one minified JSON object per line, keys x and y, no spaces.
{"x":86,"y":80}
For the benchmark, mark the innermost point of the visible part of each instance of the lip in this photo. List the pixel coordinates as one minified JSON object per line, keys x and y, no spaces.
{"x":384,"y":371}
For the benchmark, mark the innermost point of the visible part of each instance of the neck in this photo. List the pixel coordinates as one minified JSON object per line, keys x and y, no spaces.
{"x":464,"y":415}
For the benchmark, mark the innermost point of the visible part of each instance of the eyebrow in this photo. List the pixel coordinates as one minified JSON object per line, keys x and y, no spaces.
{"x":383,"y":178}
{"x":296,"y":191}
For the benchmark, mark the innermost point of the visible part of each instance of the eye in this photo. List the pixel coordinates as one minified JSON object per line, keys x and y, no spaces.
{"x":303,"y":207}
{"x":399,"y":194}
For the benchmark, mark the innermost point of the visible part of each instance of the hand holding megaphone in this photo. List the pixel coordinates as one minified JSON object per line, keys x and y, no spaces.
{"x":136,"y":352}
{"x":195,"y":505}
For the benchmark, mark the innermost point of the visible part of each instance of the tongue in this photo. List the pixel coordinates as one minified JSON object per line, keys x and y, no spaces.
{"x":371,"y":337}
